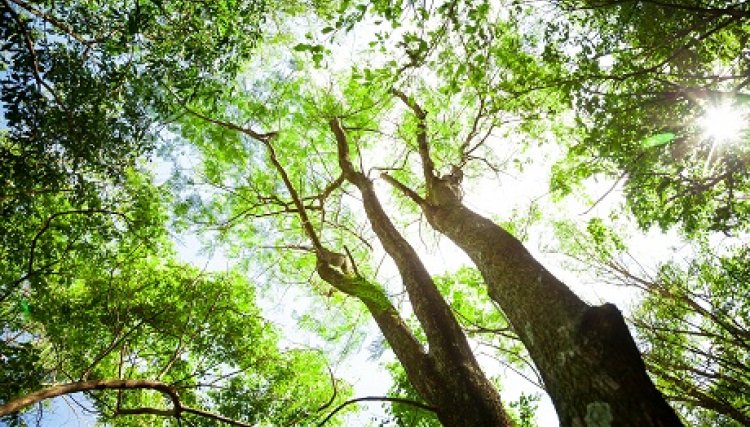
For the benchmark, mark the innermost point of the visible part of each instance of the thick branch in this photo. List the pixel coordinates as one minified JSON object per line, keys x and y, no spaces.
{"x":463,"y":387}
{"x":76,"y":387}
{"x":551,"y":320}
{"x":345,"y":162}
{"x":406,"y":191}
{"x":442,"y":329}
{"x":405,"y":345}
{"x":64,"y":389}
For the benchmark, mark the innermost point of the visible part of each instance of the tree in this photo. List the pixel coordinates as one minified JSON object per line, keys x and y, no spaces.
{"x":650,"y":103}
{"x":92,"y":297}
{"x":291,"y":156}
{"x":588,"y":360}
{"x":64,"y":147}
{"x":644,"y":100}
{"x":129,"y":317}
{"x":701,"y":367}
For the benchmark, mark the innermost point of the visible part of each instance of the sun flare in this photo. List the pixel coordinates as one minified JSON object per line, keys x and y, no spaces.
{"x":723,"y":123}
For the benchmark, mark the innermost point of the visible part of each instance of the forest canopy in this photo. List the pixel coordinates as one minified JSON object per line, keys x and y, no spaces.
{"x":459,"y":213}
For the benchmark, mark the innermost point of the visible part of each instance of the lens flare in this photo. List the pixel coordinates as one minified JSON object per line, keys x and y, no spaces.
{"x":723,"y":123}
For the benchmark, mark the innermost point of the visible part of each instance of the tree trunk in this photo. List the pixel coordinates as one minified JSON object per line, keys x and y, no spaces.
{"x":460,"y":392}
{"x":588,"y":360}
{"x":447,"y":377}
{"x":586,"y":356}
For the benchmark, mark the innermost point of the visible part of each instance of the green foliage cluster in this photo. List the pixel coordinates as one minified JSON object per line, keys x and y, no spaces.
{"x":642,"y":74}
{"x":129,"y":309}
{"x":695,"y":321}
{"x":91,"y":287}
{"x":84,"y":86}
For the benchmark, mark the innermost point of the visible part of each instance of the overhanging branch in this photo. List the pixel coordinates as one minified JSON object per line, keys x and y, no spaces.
{"x":115,"y":384}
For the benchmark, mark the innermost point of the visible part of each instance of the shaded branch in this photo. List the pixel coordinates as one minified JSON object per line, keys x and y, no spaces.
{"x":81,"y":386}
{"x":401,"y":400}
{"x":52,"y":20}
{"x":35,"y":64}
{"x":20,"y":403}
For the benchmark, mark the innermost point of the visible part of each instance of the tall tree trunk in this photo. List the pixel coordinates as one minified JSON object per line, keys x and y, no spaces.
{"x":588,"y":360}
{"x":460,"y":392}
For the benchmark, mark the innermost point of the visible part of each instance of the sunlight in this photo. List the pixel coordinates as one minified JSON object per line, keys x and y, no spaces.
{"x":723,"y":123}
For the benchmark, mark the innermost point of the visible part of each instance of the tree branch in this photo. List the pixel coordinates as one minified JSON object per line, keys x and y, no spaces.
{"x":52,"y":20}
{"x":16,"y":405}
{"x":428,"y":167}
{"x":112,"y":384}
{"x":406,"y":191}
{"x":401,"y":400}
{"x":35,"y":64}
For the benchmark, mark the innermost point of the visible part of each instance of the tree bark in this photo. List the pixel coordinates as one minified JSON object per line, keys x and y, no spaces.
{"x":587,"y":357}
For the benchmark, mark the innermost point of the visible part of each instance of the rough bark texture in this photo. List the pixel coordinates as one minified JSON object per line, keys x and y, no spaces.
{"x":458,"y":389}
{"x":588,"y":360}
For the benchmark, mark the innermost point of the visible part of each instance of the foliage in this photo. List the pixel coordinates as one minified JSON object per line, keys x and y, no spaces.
{"x":697,"y":333}
{"x":643,"y":74}
{"x":525,"y":408}
{"x":64,"y":146}
{"x":91,"y":287}
{"x":406,"y":415}
{"x":131,"y":310}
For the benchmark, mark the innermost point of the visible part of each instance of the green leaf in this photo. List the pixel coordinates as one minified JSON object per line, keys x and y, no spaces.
{"x":658,"y":140}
